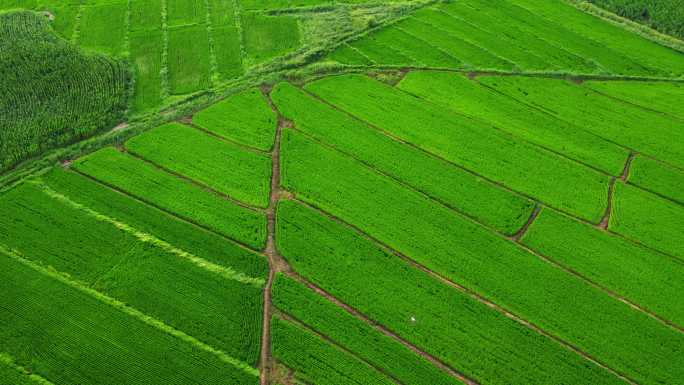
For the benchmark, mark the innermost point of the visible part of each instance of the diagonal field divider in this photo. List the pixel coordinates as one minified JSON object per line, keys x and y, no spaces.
{"x":151,"y":321}
{"x":223,"y":271}
{"x":7,"y":360}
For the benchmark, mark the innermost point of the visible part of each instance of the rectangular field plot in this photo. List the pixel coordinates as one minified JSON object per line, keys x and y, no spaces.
{"x":464,"y":96}
{"x":241,"y":174}
{"x":178,"y":196}
{"x":243,"y":118}
{"x":316,"y":361}
{"x":663,"y":97}
{"x":355,"y":335}
{"x":476,"y":258}
{"x":455,"y":187}
{"x":186,"y":12}
{"x":103,"y":28}
{"x":210,"y":302}
{"x":146,"y":55}
{"x":203,"y":244}
{"x":222,"y":12}
{"x":146,"y":15}
{"x":464,"y":334}
{"x":189,"y":61}
{"x":648,"y":219}
{"x":228,"y":51}
{"x":657,"y":177}
{"x":469,"y":143}
{"x":643,"y":276}
{"x":266,"y":37}
{"x":77,"y":327}
{"x":607,"y":118}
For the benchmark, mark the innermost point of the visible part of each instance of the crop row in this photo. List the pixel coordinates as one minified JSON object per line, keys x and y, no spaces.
{"x":176,"y":195}
{"x":51,"y":93}
{"x":448,"y":324}
{"x":457,"y":188}
{"x":476,"y":258}
{"x":76,"y":327}
{"x":355,"y":335}
{"x":221,"y":312}
{"x":221,"y":165}
{"x":471,"y":143}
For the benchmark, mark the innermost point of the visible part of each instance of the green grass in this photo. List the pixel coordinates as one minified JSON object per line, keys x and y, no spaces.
{"x":455,"y":92}
{"x":228,"y":51}
{"x":472,"y":195}
{"x":244,"y":118}
{"x":223,"y":166}
{"x":479,"y":260}
{"x":266,"y":37}
{"x":470,"y":143}
{"x":360,"y":338}
{"x":645,"y":277}
{"x":613,"y":120}
{"x":202,"y":243}
{"x":649,"y":219}
{"x":316,"y":361}
{"x":189,"y":64}
{"x":175,"y":195}
{"x":103,"y":28}
{"x":51,"y":93}
{"x":223,"y":313}
{"x":51,"y":328}
{"x":663,"y":97}
{"x":657,"y":177}
{"x":465,"y":334}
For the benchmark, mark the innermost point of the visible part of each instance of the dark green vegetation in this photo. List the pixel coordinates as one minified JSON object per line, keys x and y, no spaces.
{"x":51,"y":93}
{"x":667,"y":16}
{"x":313,"y":192}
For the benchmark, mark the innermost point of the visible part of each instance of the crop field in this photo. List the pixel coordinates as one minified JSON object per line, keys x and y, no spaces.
{"x":332,"y":192}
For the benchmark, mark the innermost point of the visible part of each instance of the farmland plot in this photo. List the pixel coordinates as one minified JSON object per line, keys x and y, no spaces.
{"x":472,"y":256}
{"x":464,"y":141}
{"x":266,"y":37}
{"x":643,"y":276}
{"x":317,"y":361}
{"x":244,"y":118}
{"x":103,"y":28}
{"x":648,"y":219}
{"x":210,"y":302}
{"x":614,"y":120}
{"x":457,"y":188}
{"x":355,"y":336}
{"x":223,"y":166}
{"x":664,"y":97}
{"x":450,"y":325}
{"x":175,"y":195}
{"x":657,"y":177}
{"x":189,"y":64}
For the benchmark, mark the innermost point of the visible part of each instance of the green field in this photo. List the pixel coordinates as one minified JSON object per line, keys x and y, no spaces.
{"x":333,"y":192}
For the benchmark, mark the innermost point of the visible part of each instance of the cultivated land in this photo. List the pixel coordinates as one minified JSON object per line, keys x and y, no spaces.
{"x":314,"y":192}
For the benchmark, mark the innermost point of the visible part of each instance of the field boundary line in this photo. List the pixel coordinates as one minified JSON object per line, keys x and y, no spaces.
{"x":223,"y":271}
{"x":192,"y":181}
{"x":167,"y":212}
{"x":188,"y":122}
{"x":270,"y":250}
{"x":126,"y":309}
{"x":481,"y":176}
{"x":8,"y":360}
{"x":237,"y":16}
{"x":165,"y":86}
{"x":523,"y":230}
{"x":381,"y":328}
{"x":358,"y":51}
{"x":605,"y":219}
{"x":472,"y":294}
{"x":292,"y":319}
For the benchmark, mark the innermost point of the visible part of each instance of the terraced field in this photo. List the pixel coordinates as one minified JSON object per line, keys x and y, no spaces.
{"x":312,"y":192}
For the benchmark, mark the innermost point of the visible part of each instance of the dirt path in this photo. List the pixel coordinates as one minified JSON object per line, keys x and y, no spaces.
{"x":523,"y":230}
